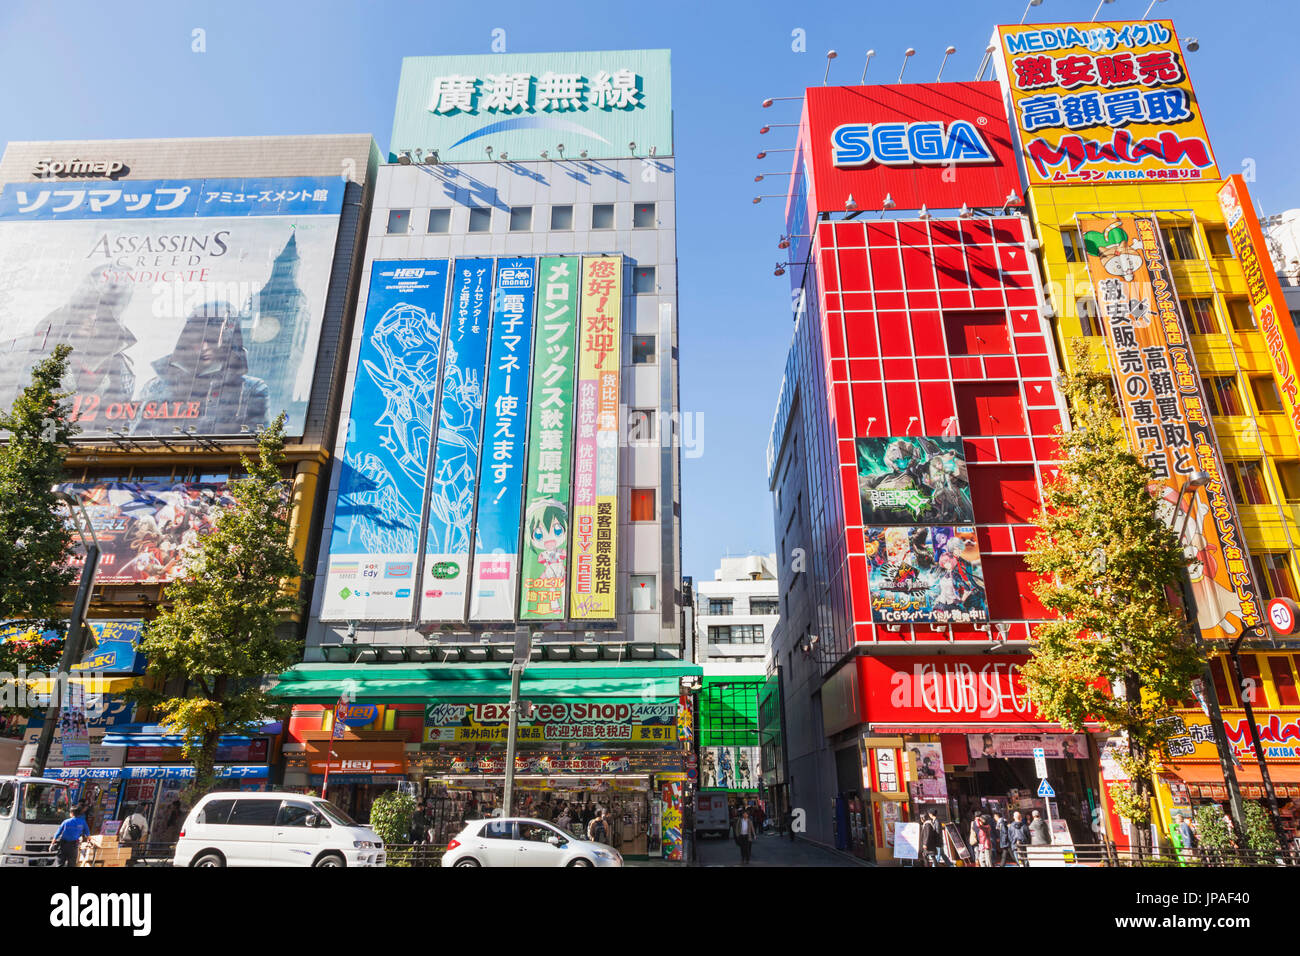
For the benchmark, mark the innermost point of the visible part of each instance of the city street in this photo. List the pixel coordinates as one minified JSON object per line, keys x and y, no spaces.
{"x":771,"y":850}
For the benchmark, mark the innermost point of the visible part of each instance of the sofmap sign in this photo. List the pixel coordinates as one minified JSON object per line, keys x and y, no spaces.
{"x":941,"y":145}
{"x":519,"y":105}
{"x":111,"y":168}
{"x":1103,"y":102}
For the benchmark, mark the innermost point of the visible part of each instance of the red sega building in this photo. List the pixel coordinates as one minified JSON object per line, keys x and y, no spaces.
{"x":913,"y":433}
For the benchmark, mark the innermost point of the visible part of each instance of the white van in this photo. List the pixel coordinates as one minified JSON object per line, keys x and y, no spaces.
{"x":274,"y":829}
{"x":31,"y":809}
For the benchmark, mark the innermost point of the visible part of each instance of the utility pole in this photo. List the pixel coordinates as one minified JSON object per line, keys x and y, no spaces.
{"x":523,"y":648}
{"x":74,"y":644}
{"x":1246,"y":696}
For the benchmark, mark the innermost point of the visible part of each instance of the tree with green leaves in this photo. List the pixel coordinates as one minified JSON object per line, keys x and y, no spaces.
{"x":1119,"y":650}
{"x":35,"y":543}
{"x":220,"y":633}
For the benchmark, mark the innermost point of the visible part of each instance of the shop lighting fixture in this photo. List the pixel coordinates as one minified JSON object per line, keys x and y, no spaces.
{"x":1193,"y":44}
{"x":1028,"y":7}
{"x":404,"y":157}
{"x":907,"y":54}
{"x":946,"y":53}
{"x":830,"y":55}
{"x":1013,"y":199}
{"x":432,"y":158}
{"x":653,"y":150}
{"x":488,"y":149}
{"x":758,"y":199}
{"x":964,"y":212}
{"x":870,"y":422}
{"x":888,"y":201}
{"x":761,"y":176}
{"x":560,"y":149}
{"x":923,"y":212}
{"x":583,"y":154}
{"x":988,"y":55}
{"x":772,"y":99}
{"x":1098,"y":10}
{"x":545,"y":155}
{"x":893,"y":628}
{"x":870,"y":54}
{"x":632,"y":148}
{"x":850,"y":204}
{"x":779,"y":269}
{"x":1149,"y":7}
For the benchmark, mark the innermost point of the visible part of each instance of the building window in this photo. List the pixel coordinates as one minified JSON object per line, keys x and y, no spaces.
{"x":643,"y":504}
{"x":1216,"y":238}
{"x":1241,"y":314}
{"x":1284,"y":681}
{"x":720,"y":607}
{"x":764,"y":606}
{"x":1199,"y":313}
{"x":1288,"y":472}
{"x":602,"y":215}
{"x":1274,"y":575}
{"x":399,"y":222}
{"x":643,"y":280}
{"x":1247,"y":480}
{"x":736,"y":634}
{"x":1267,"y":400}
{"x":480,"y":219}
{"x":1178,"y":242}
{"x":1221,"y":393}
{"x":643,"y":592}
{"x":640,"y":425}
{"x":561,"y":218}
{"x":439,"y":220}
{"x":1089,"y":321}
{"x":643,"y":350}
{"x":1070,"y":240}
{"x":643,"y":215}
{"x":521,"y":219}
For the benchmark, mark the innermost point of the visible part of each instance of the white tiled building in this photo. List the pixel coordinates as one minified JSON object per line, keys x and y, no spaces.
{"x":736,"y":612}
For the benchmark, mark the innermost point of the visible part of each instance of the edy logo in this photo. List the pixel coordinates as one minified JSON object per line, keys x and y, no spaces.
{"x":908,"y":144}
{"x":75,"y":909}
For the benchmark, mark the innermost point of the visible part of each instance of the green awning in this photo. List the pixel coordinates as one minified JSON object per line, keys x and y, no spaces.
{"x":421,"y":683}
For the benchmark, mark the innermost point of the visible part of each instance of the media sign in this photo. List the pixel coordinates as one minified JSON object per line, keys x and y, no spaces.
{"x":941,"y":145}
{"x":1101,"y":102}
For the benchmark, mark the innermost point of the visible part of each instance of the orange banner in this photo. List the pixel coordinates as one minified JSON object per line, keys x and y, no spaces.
{"x":1166,"y":416}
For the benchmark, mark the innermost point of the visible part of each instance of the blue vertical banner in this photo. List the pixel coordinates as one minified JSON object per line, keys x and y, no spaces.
{"x":500,"y":492}
{"x":374,"y":543}
{"x":456,"y":460}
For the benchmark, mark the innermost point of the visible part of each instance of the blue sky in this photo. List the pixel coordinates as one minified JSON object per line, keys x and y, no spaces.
{"x":83,"y":70}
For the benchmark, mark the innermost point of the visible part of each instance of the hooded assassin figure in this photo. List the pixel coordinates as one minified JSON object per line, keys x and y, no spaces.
{"x":91,"y":322}
{"x":208,"y":367}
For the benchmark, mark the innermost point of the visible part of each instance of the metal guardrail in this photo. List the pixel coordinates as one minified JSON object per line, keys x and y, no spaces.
{"x":1108,"y":855}
{"x":414,"y":855}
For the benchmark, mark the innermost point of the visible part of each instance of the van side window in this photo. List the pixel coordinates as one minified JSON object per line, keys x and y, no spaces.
{"x":7,"y":794}
{"x":215,"y":811}
{"x":254,"y":813}
{"x":294,"y":814}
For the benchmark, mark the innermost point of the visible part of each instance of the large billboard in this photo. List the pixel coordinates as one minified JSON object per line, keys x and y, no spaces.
{"x":374,"y":545}
{"x":913,"y":481}
{"x":550,"y":443}
{"x":595,"y":470}
{"x":450,"y":522}
{"x":500,"y":487}
{"x":925,"y":575}
{"x":146,"y":529}
{"x":1103,"y":102}
{"x":571,"y":721}
{"x":591,"y":105}
{"x":1166,"y":416}
{"x":942,"y":145}
{"x":192,"y":306}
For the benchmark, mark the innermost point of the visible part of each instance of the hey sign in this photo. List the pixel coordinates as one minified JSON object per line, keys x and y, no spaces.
{"x":940,"y":145}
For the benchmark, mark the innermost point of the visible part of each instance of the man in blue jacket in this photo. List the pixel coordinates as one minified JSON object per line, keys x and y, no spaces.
{"x":69,"y":835}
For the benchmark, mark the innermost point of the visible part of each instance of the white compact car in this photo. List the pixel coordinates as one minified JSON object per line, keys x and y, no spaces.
{"x":517,"y":841}
{"x":274,"y":829}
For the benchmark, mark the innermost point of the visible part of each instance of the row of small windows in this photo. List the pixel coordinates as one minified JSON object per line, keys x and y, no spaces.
{"x":1179,"y":243}
{"x":521,"y":218}
{"x":736,"y":634}
{"x":725,"y":606}
{"x":1199,"y":314}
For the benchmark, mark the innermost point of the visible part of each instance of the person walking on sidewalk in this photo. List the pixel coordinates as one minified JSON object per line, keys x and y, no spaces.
{"x":1019,"y":831}
{"x":1039,"y":835}
{"x":932,"y":839}
{"x":981,"y":840}
{"x":745,"y":835}
{"x":1002,"y":831}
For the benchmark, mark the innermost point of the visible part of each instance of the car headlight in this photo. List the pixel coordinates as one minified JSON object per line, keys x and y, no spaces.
{"x":366,"y":845}
{"x":604,"y":854}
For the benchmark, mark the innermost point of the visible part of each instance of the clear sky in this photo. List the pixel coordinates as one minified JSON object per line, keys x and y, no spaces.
{"x":89,"y":70}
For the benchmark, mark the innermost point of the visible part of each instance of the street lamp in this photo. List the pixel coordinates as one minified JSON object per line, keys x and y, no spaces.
{"x":1195,"y":481}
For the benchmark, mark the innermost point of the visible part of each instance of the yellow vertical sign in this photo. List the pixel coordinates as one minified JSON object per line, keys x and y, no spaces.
{"x":595,"y":460}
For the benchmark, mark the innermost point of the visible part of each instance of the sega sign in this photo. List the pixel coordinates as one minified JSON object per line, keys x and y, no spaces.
{"x":941,"y":145}
{"x":908,"y":144}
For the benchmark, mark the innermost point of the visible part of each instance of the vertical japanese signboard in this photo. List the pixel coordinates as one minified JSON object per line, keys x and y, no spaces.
{"x":375,"y":541}
{"x":1266,"y":298}
{"x":456,"y":460}
{"x":500,"y":489}
{"x":595,"y":471}
{"x":550,"y":442}
{"x":1166,"y":416}
{"x":1103,"y":102}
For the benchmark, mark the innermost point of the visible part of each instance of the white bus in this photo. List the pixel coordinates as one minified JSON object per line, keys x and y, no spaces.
{"x":31,"y":809}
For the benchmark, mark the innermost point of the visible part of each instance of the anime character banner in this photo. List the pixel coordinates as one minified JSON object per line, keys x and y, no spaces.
{"x":550,"y":442}
{"x":455,"y":477}
{"x":1166,"y":416}
{"x":595,"y":479}
{"x":192,"y":306}
{"x":913,"y":481}
{"x":925,"y":575}
{"x":730,"y":768}
{"x":145,"y":529}
{"x":374,"y":544}
{"x":500,"y":489}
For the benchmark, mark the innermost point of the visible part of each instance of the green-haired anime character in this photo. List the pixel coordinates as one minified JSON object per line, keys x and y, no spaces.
{"x":546,"y":530}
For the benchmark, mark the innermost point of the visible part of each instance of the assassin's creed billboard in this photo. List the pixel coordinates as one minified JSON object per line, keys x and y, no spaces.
{"x":190,"y":305}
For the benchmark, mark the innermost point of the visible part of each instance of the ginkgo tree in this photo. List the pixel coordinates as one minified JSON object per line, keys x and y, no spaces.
{"x":1118,"y":650}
